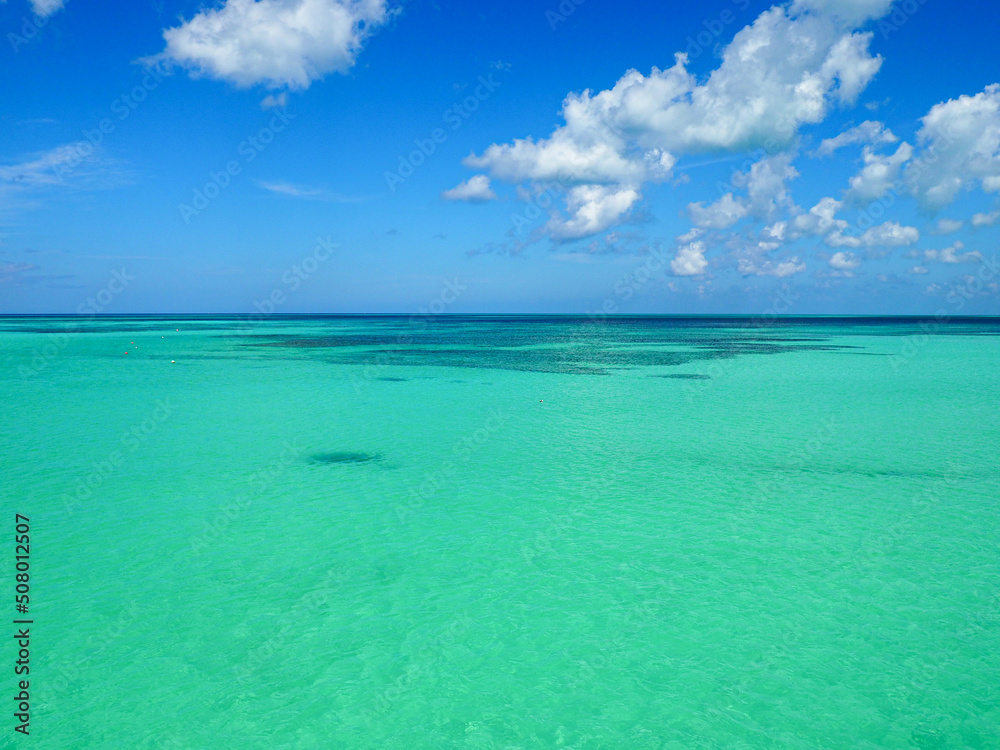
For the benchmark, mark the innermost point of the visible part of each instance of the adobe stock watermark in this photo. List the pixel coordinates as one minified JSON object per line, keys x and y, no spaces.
{"x":708,"y":37}
{"x":958,"y":297}
{"x":781,"y":304}
{"x":901,"y":13}
{"x":419,"y":321}
{"x":31,"y":26}
{"x":248,"y":150}
{"x":42,"y":357}
{"x":121,"y":107}
{"x":260,"y":482}
{"x":462,"y":450}
{"x":876,"y":209}
{"x":454,"y":117}
{"x":543,"y":199}
{"x":129,"y":443}
{"x":292,"y":278}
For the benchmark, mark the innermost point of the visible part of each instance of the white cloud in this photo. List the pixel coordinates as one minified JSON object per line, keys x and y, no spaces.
{"x":753,"y":260}
{"x":764,"y":267}
{"x":51,"y":167}
{"x":953,"y":254}
{"x":309,"y":193}
{"x":690,"y":260}
{"x":766,"y":193}
{"x":474,"y":190}
{"x":786,"y":70}
{"x":947,"y":226}
{"x":278,"y":43}
{"x":719,"y":215}
{"x":844,"y":261}
{"x":870,"y":133}
{"x":961,"y":144}
{"x":690,"y":235}
{"x":820,"y":220}
{"x":777,"y":74}
{"x":45,"y":8}
{"x":849,"y":11}
{"x":985,"y":220}
{"x":766,"y":184}
{"x":776,"y":231}
{"x":878,"y":175}
{"x":592,"y":209}
{"x":919,"y":270}
{"x":890,"y":234}
{"x":271,"y":101}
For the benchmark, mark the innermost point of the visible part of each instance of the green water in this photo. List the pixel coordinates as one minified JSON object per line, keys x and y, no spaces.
{"x":505,"y":533}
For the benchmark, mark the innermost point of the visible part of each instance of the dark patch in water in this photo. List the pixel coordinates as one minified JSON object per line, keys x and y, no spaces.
{"x":343,"y":457}
{"x":393,"y":380}
{"x":685,"y":376}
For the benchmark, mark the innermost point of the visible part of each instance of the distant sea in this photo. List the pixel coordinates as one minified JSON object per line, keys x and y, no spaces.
{"x":505,"y":532}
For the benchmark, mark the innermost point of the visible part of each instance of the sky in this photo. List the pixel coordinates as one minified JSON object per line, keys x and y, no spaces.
{"x":433,"y":157}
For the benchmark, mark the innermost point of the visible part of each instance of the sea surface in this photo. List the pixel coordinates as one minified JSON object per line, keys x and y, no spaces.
{"x":505,"y":532}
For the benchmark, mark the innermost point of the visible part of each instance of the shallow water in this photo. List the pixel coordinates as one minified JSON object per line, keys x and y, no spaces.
{"x":489,"y":532}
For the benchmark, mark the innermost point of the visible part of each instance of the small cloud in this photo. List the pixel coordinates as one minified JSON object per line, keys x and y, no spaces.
{"x":875,"y":106}
{"x":919,"y":270}
{"x":869,"y":132}
{"x":474,"y":190}
{"x":45,"y":8}
{"x":844,"y":261}
{"x":953,"y":254}
{"x":947,"y":226}
{"x":307,"y":193}
{"x":985,"y":220}
{"x":271,"y":101}
{"x":690,"y":260}
{"x":273,"y":42}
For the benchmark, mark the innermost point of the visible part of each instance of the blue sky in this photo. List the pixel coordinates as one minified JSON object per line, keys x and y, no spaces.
{"x":820,"y":156}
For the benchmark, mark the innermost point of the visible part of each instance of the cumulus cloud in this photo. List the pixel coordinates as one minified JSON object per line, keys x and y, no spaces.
{"x":947,"y":226}
{"x":271,"y":101}
{"x":953,"y":254}
{"x":820,"y":220}
{"x":719,"y":215}
{"x":879,"y":174}
{"x":690,"y":260}
{"x":278,"y":43}
{"x":960,"y":139}
{"x":847,"y":11}
{"x":786,"y":70}
{"x":45,"y":8}
{"x":870,"y":133}
{"x":766,"y":184}
{"x":474,"y":190}
{"x":985,"y":220}
{"x":890,"y":234}
{"x":767,"y":192}
{"x":844,"y":261}
{"x":592,"y":209}
{"x":766,"y":267}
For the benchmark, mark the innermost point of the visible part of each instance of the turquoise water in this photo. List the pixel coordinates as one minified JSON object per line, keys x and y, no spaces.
{"x":506,"y":532}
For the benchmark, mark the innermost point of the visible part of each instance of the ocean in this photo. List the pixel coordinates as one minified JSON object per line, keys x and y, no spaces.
{"x":505,"y":532}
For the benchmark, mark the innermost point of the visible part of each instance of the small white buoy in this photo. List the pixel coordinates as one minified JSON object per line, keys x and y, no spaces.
{"x":172,"y":361}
